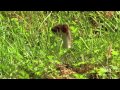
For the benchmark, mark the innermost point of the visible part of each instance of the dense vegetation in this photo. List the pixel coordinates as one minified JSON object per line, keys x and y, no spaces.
{"x":28,"y":48}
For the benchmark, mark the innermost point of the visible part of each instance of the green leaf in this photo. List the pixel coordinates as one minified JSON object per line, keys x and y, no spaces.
{"x":73,"y":29}
{"x":79,"y":76}
{"x":116,"y":53}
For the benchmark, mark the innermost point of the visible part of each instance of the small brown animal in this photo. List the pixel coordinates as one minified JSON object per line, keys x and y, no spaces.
{"x":63,"y":31}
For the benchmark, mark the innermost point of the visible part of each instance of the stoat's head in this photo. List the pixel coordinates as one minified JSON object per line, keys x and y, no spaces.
{"x":61,"y":28}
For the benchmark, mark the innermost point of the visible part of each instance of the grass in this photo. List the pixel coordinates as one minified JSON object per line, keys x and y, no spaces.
{"x":28,"y":48}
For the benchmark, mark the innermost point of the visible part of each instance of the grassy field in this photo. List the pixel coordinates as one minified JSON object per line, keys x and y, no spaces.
{"x":29,"y":50}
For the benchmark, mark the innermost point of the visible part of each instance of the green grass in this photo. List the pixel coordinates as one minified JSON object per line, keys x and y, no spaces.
{"x":28,"y":48}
